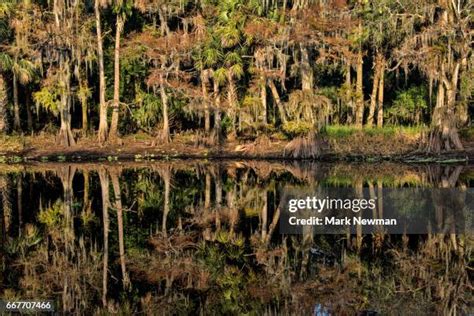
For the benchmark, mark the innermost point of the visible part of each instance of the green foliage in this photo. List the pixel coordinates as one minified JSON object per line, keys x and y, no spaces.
{"x":49,"y":98}
{"x":408,"y":106}
{"x":52,"y":216}
{"x":297,"y":128}
{"x":147,"y":113}
{"x":338,"y":131}
{"x":344,"y":131}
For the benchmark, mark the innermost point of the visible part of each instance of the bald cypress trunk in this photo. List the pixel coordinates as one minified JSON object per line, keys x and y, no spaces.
{"x":307,"y":77}
{"x":276,"y":97}
{"x":114,"y":176}
{"x":3,"y":104}
{"x":373,"y":96}
{"x":444,"y":133}
{"x":263,"y":97}
{"x":207,"y":113}
{"x":65,"y":137}
{"x":380,"y":98}
{"x":166,"y":175}
{"x":104,"y":185}
{"x":16,"y":105}
{"x":349,"y":103}
{"x":103,"y":125}
{"x":165,"y":132}
{"x":359,"y":115}
{"x":217,"y":112}
{"x":113,"y":134}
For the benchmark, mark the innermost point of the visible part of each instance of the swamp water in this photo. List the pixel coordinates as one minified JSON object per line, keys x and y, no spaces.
{"x":196,"y":237}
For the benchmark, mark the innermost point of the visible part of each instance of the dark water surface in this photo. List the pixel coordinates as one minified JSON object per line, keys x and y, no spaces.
{"x":195,"y":237}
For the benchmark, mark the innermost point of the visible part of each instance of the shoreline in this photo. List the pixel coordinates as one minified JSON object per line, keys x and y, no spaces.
{"x":357,"y":147}
{"x":125,"y":153}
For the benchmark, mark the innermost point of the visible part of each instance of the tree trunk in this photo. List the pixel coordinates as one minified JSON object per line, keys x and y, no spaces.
{"x":116,"y":107}
{"x":6,"y":205}
{"x":232,"y":98}
{"x":165,"y":133}
{"x":66,"y":174}
{"x":207,"y":192}
{"x":307,"y":78}
{"x":85,"y":119}
{"x":276,"y":97}
{"x":166,"y":175}
{"x":29,"y":115}
{"x":444,"y":133}
{"x":359,"y":115}
{"x":3,"y":105}
{"x":103,"y":126}
{"x":118,"y":206}
{"x":16,"y":105}
{"x":207,"y":114}
{"x":263,"y":96}
{"x":104,"y":185}
{"x":86,"y":201}
{"x":65,"y":137}
{"x":373,"y":96}
{"x":217,"y":112}
{"x":264,"y":215}
{"x":381,"y":93}
{"x":19,"y":190}
{"x":349,"y":103}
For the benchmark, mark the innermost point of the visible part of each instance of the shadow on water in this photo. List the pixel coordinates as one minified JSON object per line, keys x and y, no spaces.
{"x":194,"y":237}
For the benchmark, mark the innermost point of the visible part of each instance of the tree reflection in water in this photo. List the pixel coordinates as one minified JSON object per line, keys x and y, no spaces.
{"x":195,"y":237}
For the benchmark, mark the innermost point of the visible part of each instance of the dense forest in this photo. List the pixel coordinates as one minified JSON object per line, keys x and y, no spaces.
{"x":231,"y":69}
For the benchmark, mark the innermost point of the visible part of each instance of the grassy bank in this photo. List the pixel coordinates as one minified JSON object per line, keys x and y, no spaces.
{"x":334,"y":143}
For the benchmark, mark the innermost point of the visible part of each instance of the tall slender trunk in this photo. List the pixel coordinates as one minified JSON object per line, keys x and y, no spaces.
{"x":207,"y":113}
{"x":276,"y":97}
{"x":16,"y":105}
{"x":359,"y":115}
{"x":87,"y":203}
{"x":380,"y":203}
{"x":232,"y":98}
{"x":264,"y":215}
{"x":6,"y":205}
{"x":373,"y":96}
{"x":85,"y":114}
{"x":166,"y":175}
{"x":263,"y":97}
{"x":19,"y":190}
{"x":207,"y":192}
{"x":104,"y":185}
{"x":164,"y":28}
{"x":3,"y":104}
{"x":218,"y":187}
{"x":66,"y":174}
{"x":65,"y":137}
{"x":165,"y":133}
{"x":217,"y":112}
{"x":381,"y":93}
{"x":116,"y":107}
{"x":82,"y":98}
{"x":103,"y":126}
{"x":307,"y":77}
{"x":29,"y":115}
{"x":349,"y":103}
{"x":118,"y":206}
